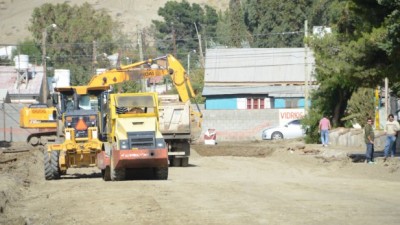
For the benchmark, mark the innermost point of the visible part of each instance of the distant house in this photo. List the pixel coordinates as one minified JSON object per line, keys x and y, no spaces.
{"x":22,"y":86}
{"x":6,"y":52}
{"x":257,"y":78}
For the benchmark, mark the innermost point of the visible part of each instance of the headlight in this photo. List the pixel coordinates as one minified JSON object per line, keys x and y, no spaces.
{"x":94,"y":134}
{"x":67,"y":135}
{"x":123,"y":144}
{"x":160,"y":143}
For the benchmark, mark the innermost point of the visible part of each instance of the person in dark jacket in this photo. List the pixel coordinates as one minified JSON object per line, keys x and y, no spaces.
{"x":369,"y":136}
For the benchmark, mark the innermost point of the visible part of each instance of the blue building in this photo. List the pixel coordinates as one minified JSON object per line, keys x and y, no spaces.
{"x":257,"y":78}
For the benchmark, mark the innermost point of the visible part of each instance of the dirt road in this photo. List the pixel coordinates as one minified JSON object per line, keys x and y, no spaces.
{"x":247,"y":183}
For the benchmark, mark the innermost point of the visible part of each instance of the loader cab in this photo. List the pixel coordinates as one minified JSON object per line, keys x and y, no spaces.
{"x":81,"y":107}
{"x":72,"y":101}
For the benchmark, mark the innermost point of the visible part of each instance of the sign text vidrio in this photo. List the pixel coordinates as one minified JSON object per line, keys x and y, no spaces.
{"x":287,"y":115}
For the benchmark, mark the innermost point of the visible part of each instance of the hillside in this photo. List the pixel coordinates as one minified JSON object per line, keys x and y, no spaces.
{"x":15,"y":14}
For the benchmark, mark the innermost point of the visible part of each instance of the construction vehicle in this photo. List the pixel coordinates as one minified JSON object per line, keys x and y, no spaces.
{"x":41,"y":120}
{"x":116,"y":132}
{"x":78,"y":137}
{"x":175,"y":116}
{"x":134,"y":140}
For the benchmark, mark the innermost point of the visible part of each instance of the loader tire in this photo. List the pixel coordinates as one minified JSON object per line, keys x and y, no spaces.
{"x":51,"y":166}
{"x":161,"y":173}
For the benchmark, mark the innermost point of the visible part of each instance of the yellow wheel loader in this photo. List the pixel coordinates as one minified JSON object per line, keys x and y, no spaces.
{"x":79,"y":121}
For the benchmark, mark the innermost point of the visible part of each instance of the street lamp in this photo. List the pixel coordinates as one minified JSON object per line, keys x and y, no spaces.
{"x":188,"y":58}
{"x":128,"y":60}
{"x":44,"y":81}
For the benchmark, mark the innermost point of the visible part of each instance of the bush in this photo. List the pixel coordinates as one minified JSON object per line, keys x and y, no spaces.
{"x":311,"y":121}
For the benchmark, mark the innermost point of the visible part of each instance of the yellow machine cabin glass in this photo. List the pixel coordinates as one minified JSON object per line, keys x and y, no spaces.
{"x":135,"y":104}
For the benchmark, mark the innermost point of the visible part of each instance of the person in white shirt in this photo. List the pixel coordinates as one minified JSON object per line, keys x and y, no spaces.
{"x":391,"y":129}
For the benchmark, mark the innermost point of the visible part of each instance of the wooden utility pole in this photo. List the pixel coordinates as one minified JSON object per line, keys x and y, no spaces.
{"x":174,"y":39}
{"x":140,"y":46}
{"x":139,"y":40}
{"x":94,"y":58}
{"x":387,"y":109}
{"x":377,"y":122}
{"x":4,"y":118}
{"x":200,"y":47}
{"x":44,"y":80}
{"x":305,"y":67}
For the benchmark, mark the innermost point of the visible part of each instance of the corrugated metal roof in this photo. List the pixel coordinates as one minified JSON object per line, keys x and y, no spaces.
{"x":268,"y":65}
{"x":9,"y":77}
{"x":271,"y":91}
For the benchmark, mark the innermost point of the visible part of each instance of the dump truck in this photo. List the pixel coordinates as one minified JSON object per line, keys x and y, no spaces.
{"x":134,"y":140}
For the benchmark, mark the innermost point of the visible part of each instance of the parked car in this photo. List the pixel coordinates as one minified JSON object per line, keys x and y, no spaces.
{"x":293,"y":129}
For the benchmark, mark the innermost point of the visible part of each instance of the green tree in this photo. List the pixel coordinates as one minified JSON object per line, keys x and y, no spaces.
{"x":30,"y":48}
{"x":178,"y":30}
{"x":275,"y":23}
{"x":237,"y":28}
{"x":221,"y":37}
{"x":360,"y":53}
{"x":360,"y":106}
{"x":70,"y":45}
{"x":380,"y":32}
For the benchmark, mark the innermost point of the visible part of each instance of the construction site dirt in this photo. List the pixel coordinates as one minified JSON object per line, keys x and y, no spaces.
{"x":285,"y":182}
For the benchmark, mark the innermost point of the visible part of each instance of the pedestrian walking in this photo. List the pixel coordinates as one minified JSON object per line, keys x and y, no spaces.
{"x":324,"y":127}
{"x":369,"y":137}
{"x":391,"y":129}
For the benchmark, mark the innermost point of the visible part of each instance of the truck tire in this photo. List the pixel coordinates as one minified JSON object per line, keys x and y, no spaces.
{"x":179,"y":161}
{"x":175,"y":162}
{"x":185,"y":161}
{"x":161,"y":173}
{"x":51,"y":166}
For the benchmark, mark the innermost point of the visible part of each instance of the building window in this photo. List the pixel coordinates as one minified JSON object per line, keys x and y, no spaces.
{"x":292,"y":103}
{"x":255,"y":103}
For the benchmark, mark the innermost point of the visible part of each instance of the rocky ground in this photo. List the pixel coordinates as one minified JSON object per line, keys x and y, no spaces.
{"x":266,"y":182}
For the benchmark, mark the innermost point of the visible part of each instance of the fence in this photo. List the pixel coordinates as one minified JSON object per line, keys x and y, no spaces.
{"x":9,"y":123}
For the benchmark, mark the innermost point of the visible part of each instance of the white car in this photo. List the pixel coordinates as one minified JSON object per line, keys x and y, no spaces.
{"x":293,"y":129}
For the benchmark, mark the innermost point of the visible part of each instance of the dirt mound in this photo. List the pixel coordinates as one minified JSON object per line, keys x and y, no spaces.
{"x":251,"y":148}
{"x":19,"y":168}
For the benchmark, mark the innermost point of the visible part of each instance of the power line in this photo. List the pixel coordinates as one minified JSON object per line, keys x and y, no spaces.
{"x":160,"y":40}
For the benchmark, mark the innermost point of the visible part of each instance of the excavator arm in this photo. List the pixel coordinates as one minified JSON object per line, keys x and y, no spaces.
{"x":161,"y":66}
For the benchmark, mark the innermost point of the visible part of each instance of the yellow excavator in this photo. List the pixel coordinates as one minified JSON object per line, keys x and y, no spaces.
{"x":175,"y":117}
